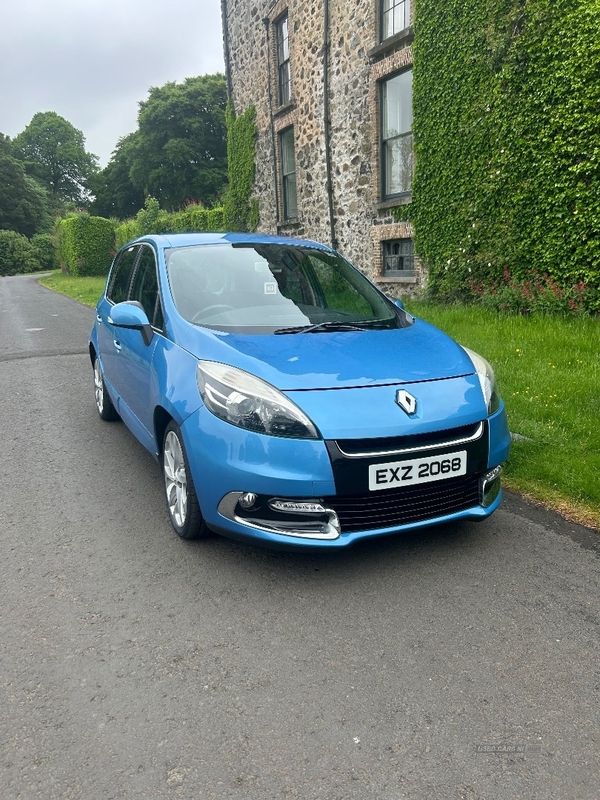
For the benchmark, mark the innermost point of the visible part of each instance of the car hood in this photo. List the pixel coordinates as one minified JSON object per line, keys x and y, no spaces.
{"x":334,"y":360}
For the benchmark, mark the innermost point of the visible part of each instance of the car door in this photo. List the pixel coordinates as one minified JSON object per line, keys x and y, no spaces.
{"x":108,"y":335}
{"x":136,"y":375}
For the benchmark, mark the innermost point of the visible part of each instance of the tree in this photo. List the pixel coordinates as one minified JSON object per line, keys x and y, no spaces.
{"x":17,"y":254}
{"x":24,"y":204}
{"x":179,"y":152}
{"x":54,"y":153}
{"x":115,"y":195}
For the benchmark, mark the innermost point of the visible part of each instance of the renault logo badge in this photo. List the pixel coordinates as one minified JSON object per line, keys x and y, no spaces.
{"x":406,"y":402}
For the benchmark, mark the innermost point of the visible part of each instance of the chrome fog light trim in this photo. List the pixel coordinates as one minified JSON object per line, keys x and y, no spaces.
{"x":324,"y":523}
{"x":489,"y":486}
{"x":296,"y":506}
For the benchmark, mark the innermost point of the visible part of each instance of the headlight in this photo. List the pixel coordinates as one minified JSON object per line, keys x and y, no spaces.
{"x":250,"y":403}
{"x":487,"y":380}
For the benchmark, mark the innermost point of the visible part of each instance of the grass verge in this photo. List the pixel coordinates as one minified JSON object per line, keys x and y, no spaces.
{"x":86,"y":290}
{"x":548,"y":370}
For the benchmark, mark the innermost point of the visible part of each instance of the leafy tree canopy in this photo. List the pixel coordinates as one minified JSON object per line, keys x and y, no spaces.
{"x":24,"y":203}
{"x":54,"y":153}
{"x":180,"y":152}
{"x":115,"y":194}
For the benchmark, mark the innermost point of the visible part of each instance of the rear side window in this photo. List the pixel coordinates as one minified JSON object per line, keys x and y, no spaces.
{"x":121,"y":276}
{"x":144,"y":288}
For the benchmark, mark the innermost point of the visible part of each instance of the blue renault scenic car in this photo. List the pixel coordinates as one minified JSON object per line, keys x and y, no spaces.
{"x":288,"y":400}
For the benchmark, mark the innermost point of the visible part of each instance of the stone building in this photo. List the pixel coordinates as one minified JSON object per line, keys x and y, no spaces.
{"x":332,"y":87}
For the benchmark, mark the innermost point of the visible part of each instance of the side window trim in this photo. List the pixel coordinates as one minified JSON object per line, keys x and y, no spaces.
{"x":115,"y":271}
{"x":136,"y":267}
{"x":157,"y":311}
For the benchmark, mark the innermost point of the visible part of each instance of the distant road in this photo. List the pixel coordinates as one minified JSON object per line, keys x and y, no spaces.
{"x":459,"y":663}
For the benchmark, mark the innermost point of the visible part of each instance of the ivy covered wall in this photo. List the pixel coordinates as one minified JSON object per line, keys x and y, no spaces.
{"x":507,"y":140}
{"x":240,"y":211}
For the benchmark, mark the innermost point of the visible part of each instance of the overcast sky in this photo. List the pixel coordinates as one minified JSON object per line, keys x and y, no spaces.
{"x":93,"y":61}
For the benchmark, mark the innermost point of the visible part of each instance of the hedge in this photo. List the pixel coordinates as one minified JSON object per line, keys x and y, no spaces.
{"x":85,"y":245}
{"x":45,"y":249}
{"x":17,"y":254}
{"x":152,"y":219}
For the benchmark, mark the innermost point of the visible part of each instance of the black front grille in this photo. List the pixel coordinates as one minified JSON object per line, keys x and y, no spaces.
{"x":442,"y":438}
{"x":394,"y":507}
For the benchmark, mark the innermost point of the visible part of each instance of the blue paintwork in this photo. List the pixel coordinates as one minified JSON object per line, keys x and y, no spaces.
{"x":229,"y":459}
{"x":127,"y":315}
{"x":372,"y":411}
{"x":344,"y":381}
{"x":334,"y":360}
{"x":499,"y":436}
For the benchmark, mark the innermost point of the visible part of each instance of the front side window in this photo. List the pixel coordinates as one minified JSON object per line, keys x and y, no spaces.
{"x":283,"y":60}
{"x":288,"y":174}
{"x":395,"y":17}
{"x":274,"y":288}
{"x":121,"y":274}
{"x":144,"y":288}
{"x":396,"y":135}
{"x":398,"y":258}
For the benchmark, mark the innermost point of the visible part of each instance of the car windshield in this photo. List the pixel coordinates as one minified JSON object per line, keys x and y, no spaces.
{"x":275,"y":288}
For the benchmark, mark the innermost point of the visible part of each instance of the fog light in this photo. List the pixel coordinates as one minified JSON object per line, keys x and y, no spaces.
{"x":489,"y":486}
{"x":306,"y":519}
{"x":296,"y":506}
{"x":247,"y":500}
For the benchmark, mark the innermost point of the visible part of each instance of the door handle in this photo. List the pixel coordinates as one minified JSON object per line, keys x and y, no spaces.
{"x":117,"y":345}
{"x":98,"y":318}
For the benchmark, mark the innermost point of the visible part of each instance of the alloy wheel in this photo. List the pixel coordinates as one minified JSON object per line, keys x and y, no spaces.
{"x":175,"y":479}
{"x":98,"y":387}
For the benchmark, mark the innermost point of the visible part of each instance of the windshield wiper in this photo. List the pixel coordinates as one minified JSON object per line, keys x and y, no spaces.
{"x":336,"y":325}
{"x":332,"y":325}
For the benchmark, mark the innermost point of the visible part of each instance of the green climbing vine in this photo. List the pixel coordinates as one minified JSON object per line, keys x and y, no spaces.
{"x":506,"y":131}
{"x":240,"y":209}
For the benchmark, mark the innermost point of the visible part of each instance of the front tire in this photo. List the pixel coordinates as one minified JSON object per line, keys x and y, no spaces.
{"x":182,"y":502}
{"x":104,"y":404}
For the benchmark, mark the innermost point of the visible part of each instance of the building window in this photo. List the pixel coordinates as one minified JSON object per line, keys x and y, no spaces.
{"x":396,"y":135}
{"x":398,"y":258}
{"x":395,"y":17}
{"x":283,"y":60}
{"x":288,"y":174}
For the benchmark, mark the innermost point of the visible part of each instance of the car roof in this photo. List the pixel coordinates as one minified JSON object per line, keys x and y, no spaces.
{"x":192,"y":239}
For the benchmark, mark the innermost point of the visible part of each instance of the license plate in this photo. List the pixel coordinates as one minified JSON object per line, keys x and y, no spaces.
{"x":395,"y":474}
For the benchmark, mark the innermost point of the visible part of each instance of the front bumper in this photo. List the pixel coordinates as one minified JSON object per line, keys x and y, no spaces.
{"x":324,"y":503}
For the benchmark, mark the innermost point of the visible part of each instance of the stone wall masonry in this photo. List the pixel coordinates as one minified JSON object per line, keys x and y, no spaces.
{"x":305,"y":21}
{"x":247,"y":39}
{"x":357,"y":63}
{"x":352,"y":32}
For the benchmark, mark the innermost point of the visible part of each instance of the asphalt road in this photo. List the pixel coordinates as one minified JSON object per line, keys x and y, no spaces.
{"x":460,"y":663}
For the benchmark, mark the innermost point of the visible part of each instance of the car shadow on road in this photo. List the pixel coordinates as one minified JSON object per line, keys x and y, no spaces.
{"x":374,"y":556}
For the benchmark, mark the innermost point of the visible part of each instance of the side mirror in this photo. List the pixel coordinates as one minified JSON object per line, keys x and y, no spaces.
{"x":396,"y":302}
{"x":132,"y":315}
